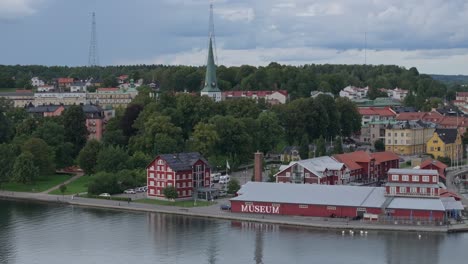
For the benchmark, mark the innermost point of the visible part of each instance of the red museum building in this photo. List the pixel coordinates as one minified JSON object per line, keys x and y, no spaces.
{"x":185,"y":171}
{"x":409,"y":194}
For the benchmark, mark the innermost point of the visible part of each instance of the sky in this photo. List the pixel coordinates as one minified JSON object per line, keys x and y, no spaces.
{"x":431,"y":35}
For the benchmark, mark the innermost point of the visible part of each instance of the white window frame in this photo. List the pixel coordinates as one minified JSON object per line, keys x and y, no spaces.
{"x":288,"y":174}
{"x":415,"y":178}
{"x":422,"y":190}
{"x":393,"y":190}
{"x":402,"y":189}
{"x":425,"y":178}
{"x":395,"y":177}
{"x":405,"y":178}
{"x":434,"y":179}
{"x":414,"y":190}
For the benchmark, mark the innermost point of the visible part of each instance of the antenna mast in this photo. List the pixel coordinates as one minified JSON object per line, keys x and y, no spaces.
{"x":365,"y":48}
{"x":93,"y":58}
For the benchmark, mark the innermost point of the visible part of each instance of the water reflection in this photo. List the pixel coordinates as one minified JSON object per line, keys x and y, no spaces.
{"x":6,"y":239}
{"x":412,"y":247}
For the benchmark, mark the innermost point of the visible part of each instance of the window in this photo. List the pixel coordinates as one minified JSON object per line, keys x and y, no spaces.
{"x":395,"y":178}
{"x":407,"y":134}
{"x":169,"y":176}
{"x":159,"y":192}
{"x":288,"y":174}
{"x":307,"y":175}
{"x":169,"y":184}
{"x":152,"y":175}
{"x":415,"y":178}
{"x":432,"y":148}
{"x":425,"y":178}
{"x":177,"y":176}
{"x":402,"y":189}
{"x":178,"y":185}
{"x":151,"y":183}
{"x":392,"y":190}
{"x":434,"y":179}
{"x":389,"y":134}
{"x":405,"y":178}
{"x":162,"y":184}
{"x":414,"y":190}
{"x":183,"y":176}
{"x":333,"y":208}
{"x":152,"y":191}
{"x":183,"y":193}
{"x":402,"y":134}
{"x":422,"y":190}
{"x":189,"y":192}
{"x":396,"y":141}
{"x":396,"y":134}
{"x":389,"y":141}
{"x":303,"y":206}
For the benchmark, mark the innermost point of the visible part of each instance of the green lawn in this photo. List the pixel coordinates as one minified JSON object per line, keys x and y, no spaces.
{"x":175,"y":203}
{"x":77,"y":186}
{"x":7,"y":90}
{"x":42,"y":184}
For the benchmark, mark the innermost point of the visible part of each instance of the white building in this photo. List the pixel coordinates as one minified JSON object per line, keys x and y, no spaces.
{"x":45,"y":88}
{"x":352,"y":92}
{"x":399,"y":94}
{"x":36,"y":82}
{"x":78,"y":87}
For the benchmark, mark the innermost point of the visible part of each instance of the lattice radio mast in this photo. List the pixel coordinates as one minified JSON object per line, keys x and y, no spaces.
{"x":93,"y":58}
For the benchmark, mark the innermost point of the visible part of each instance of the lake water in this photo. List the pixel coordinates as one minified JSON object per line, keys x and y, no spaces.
{"x":49,"y":233}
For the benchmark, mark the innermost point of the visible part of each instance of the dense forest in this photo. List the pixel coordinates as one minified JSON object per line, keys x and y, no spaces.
{"x":299,"y":81}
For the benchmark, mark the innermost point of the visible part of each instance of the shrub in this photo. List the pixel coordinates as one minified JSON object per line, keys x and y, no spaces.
{"x":170,"y":192}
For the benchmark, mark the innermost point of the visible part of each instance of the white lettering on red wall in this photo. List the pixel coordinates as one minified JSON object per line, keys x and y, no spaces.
{"x":264,"y":209}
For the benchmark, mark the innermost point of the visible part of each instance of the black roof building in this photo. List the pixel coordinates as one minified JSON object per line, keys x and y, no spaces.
{"x":183,"y":161}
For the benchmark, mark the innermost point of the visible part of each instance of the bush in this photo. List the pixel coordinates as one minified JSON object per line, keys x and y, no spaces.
{"x":170,"y":192}
{"x":233,"y":186}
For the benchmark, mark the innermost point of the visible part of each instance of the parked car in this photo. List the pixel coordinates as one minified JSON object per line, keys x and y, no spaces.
{"x":105,"y":195}
{"x":225,"y":207}
{"x":222,"y":193}
{"x":130,"y":191}
{"x":140,"y":189}
{"x":224,"y":179}
{"x":215,"y":177}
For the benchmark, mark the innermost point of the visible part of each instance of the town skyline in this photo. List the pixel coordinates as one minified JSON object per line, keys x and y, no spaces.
{"x":429,"y":36}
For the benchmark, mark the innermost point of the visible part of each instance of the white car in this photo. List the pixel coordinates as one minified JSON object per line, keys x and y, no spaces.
{"x":130,"y":191}
{"x":224,"y":179}
{"x":105,"y":195}
{"x":215,"y":177}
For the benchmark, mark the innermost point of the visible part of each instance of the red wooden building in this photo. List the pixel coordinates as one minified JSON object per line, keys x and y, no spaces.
{"x":397,"y":200}
{"x":185,"y":171}
{"x":431,"y":164}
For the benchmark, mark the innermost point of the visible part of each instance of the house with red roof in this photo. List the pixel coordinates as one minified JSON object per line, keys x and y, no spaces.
{"x":65,"y":82}
{"x":368,"y":167}
{"x":431,"y":164}
{"x":370,"y":114}
{"x":271,"y":97}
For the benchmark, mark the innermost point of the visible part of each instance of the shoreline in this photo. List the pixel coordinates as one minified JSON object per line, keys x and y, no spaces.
{"x":213,"y":212}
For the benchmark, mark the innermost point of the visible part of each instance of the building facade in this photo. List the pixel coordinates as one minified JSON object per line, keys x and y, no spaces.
{"x":408,"y":137}
{"x":412,"y":183}
{"x":59,"y":98}
{"x":187,"y":172}
{"x":445,"y":143}
{"x":270,"y":97}
{"x":321,"y":170}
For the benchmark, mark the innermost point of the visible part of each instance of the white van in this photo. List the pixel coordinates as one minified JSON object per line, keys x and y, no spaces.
{"x":215,"y":177}
{"x":224,"y":179}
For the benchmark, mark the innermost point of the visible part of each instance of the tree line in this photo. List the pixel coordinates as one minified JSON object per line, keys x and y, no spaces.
{"x":299,"y":81}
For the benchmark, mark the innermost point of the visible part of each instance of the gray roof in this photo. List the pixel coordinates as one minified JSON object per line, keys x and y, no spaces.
{"x":338,"y":195}
{"x":413,"y":172}
{"x":317,"y":165}
{"x":411,"y":124}
{"x":12,"y":94}
{"x":433,"y":204}
{"x":51,"y":108}
{"x":451,"y":204}
{"x":447,"y":135}
{"x":182,"y":161}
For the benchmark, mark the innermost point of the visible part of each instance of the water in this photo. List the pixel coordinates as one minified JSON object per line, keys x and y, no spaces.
{"x":47,"y":233}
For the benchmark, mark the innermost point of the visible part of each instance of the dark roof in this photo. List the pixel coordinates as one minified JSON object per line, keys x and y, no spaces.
{"x":404,"y":109}
{"x":289,"y":149}
{"x":10,"y":94}
{"x":182,"y":161}
{"x":447,"y":135}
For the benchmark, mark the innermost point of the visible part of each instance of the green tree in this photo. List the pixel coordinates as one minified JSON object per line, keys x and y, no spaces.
{"x":320,"y":147}
{"x":337,"y":146}
{"x":74,"y":122}
{"x":233,"y":186}
{"x":5,"y":128}
{"x":104,"y":182}
{"x":350,"y":119}
{"x":110,"y":81}
{"x":51,"y":132}
{"x":64,"y":155}
{"x":270,"y":131}
{"x":204,"y":138}
{"x":139,"y":160}
{"x":63,"y":188}
{"x":87,"y":158}
{"x":170,"y":192}
{"x":111,"y":159}
{"x":7,"y":159}
{"x":304,"y":147}
{"x":24,"y":170}
{"x":43,"y":156}
{"x":379,"y":145}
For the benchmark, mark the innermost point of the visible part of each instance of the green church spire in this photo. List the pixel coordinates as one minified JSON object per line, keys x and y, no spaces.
{"x":211,"y":83}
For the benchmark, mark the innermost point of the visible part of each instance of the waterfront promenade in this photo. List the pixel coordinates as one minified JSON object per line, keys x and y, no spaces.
{"x":214,"y":211}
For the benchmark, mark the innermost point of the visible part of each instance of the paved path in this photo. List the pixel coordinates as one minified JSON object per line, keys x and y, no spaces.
{"x":77,"y":175}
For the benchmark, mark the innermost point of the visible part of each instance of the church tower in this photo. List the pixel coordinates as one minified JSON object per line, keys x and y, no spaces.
{"x":210,"y":87}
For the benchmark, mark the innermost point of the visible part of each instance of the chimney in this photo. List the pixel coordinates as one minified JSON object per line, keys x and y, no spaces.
{"x":258,"y":168}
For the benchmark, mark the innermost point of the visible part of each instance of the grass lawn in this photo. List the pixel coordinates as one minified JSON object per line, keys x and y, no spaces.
{"x":188,"y":203}
{"x":42,"y":184}
{"x":7,"y":90}
{"x":77,"y":186}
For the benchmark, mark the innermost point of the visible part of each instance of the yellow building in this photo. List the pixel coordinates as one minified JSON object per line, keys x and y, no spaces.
{"x":408,"y":137}
{"x":445,"y":143}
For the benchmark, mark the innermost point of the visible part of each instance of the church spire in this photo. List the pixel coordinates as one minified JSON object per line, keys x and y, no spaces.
{"x":210,"y":87}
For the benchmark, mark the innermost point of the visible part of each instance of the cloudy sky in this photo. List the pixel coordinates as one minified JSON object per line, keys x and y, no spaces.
{"x":431,"y":35}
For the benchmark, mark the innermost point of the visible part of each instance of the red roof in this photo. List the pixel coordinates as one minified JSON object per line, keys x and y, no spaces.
{"x":65,"y":80}
{"x":23,"y":91}
{"x":436,"y":163}
{"x":447,"y":193}
{"x":385,"y":111}
{"x":384,"y":156}
{"x":123,"y":77}
{"x":462,"y":94}
{"x":410,"y":116}
{"x":351,"y":159}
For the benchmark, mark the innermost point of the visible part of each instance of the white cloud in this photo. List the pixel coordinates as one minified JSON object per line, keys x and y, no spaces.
{"x":236,"y":14}
{"x":11,"y":9}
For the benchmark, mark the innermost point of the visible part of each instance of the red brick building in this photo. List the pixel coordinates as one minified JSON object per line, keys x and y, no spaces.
{"x":187,"y":172}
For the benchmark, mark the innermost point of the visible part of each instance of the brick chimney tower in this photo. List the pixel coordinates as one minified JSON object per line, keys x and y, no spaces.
{"x":258,"y":168}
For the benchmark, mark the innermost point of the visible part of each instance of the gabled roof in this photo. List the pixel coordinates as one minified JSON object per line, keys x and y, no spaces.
{"x":351,"y":159}
{"x":411,"y":116}
{"x":288,"y":149}
{"x":260,"y":94}
{"x":317,"y":165}
{"x":436,"y":163}
{"x":384,"y":156}
{"x":447,"y":135}
{"x":182,"y":161}
{"x":379,"y":111}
